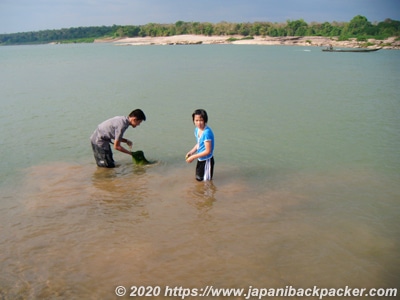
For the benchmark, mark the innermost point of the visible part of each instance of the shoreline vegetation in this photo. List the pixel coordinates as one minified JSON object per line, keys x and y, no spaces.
{"x":358,"y":33}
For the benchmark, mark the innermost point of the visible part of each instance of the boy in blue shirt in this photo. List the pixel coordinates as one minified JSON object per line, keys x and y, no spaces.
{"x":203,"y":151}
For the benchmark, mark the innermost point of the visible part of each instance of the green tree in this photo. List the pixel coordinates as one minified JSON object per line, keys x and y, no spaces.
{"x":298,"y":27}
{"x":388,"y":28}
{"x":359,"y":25}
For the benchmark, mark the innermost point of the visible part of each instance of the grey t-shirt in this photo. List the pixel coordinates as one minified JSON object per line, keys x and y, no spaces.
{"x":111,"y":129}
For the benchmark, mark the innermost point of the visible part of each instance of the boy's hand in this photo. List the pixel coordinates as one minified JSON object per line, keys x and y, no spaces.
{"x":189,"y":158}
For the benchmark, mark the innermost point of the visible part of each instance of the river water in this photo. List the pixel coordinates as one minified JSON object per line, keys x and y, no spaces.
{"x":306,"y":184}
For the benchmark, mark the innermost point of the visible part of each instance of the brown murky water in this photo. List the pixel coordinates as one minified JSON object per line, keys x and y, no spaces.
{"x":76,"y":231}
{"x":305,"y":191}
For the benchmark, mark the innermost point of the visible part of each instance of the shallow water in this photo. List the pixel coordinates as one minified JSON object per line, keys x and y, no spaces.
{"x":306,"y":179}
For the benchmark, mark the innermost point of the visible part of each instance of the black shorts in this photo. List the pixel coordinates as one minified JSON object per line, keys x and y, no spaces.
{"x":104,"y":157}
{"x":200,"y":169}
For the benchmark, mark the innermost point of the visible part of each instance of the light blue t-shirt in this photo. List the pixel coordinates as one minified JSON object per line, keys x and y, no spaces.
{"x":207,"y":135}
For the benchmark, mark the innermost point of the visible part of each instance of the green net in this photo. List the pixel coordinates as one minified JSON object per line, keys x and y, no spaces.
{"x":139,"y":159}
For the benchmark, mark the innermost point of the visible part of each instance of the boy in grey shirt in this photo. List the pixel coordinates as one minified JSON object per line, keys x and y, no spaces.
{"x":112,"y":131}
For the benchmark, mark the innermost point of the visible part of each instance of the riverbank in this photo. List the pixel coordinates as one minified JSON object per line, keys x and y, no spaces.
{"x":317,"y":41}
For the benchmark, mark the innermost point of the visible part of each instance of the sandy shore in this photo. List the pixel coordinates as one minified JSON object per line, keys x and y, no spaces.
{"x":289,"y":41}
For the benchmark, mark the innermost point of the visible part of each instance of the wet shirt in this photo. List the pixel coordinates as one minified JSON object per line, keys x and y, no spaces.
{"x":207,"y":135}
{"x":111,"y":129}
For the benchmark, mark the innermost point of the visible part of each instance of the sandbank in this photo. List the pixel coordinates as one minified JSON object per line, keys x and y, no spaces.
{"x":190,"y":39}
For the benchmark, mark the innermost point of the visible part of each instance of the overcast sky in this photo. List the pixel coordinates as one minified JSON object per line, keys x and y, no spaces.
{"x":34,"y":15}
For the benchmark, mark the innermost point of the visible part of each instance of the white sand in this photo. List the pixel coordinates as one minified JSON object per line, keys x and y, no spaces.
{"x":289,"y":40}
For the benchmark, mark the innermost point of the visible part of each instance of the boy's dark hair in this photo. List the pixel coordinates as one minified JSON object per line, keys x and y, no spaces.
{"x":202,"y":113}
{"x":138,"y":114}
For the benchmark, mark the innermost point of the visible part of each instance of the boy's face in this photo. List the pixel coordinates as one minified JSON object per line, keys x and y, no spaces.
{"x":134,"y":122}
{"x":199,"y":122}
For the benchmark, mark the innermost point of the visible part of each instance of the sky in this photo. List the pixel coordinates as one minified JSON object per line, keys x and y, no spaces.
{"x":35,"y":15}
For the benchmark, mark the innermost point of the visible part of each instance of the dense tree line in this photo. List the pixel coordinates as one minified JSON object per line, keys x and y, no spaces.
{"x":57,"y":35}
{"x":359,"y":27}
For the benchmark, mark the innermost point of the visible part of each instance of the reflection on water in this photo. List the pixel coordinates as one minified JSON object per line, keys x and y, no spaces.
{"x":203,"y":195}
{"x":81,"y":230}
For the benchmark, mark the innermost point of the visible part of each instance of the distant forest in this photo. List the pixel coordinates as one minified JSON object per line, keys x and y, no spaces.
{"x":359,"y":27}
